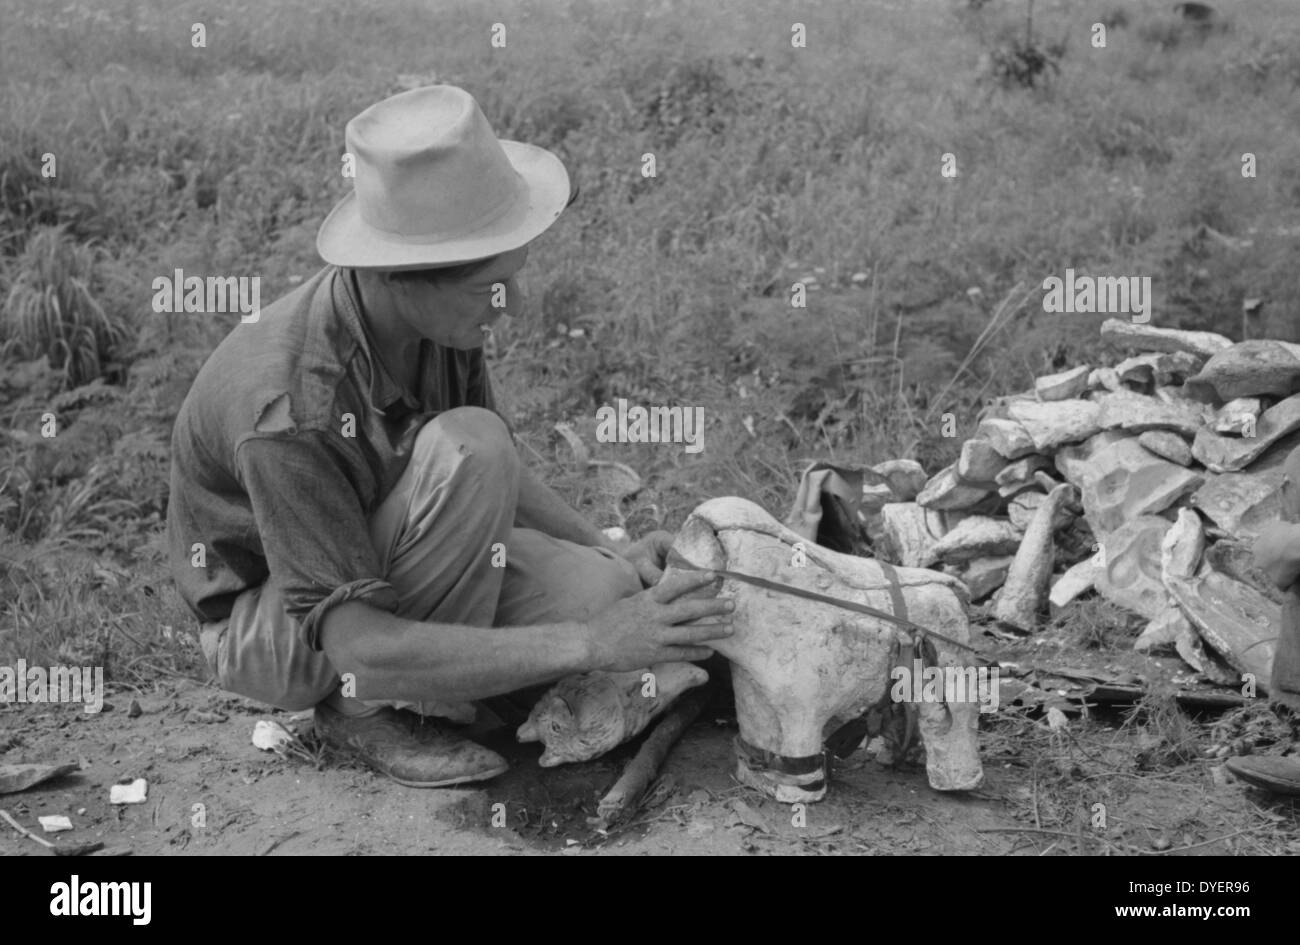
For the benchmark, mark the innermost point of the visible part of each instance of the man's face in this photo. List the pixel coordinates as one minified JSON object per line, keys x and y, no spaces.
{"x":453,"y":313}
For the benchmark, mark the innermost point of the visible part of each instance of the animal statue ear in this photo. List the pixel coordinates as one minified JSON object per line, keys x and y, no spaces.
{"x":528,"y":731}
{"x":698,"y":544}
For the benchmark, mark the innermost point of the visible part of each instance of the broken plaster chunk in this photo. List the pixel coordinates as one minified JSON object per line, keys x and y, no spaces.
{"x":269,"y":735}
{"x":1127,"y":334}
{"x":1122,"y":481}
{"x":1138,"y":413}
{"x":983,"y":576}
{"x":1233,"y":454}
{"x":1052,"y":425}
{"x":134,"y":793}
{"x":1131,"y":566}
{"x":1159,"y":368}
{"x":1182,"y":547}
{"x":1238,"y":622}
{"x":979,"y":461}
{"x":906,"y":477}
{"x":1021,"y":471}
{"x":1021,"y":509}
{"x":1008,"y":437}
{"x":1236,"y":559}
{"x":947,"y":491}
{"x":1167,"y":445}
{"x":1238,"y":417}
{"x":1066,"y":385}
{"x":1026,"y":588}
{"x":978,"y":536}
{"x":1249,"y":369}
{"x":54,"y":823}
{"x":1045,"y":481}
{"x":1192,"y":649}
{"x":908,"y":539}
{"x":1075,"y":581}
{"x":1243,"y":503}
{"x":1163,"y":630}
{"x":1104,"y":378}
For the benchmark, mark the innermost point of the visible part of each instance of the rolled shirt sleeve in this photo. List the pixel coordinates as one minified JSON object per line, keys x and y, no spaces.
{"x":312,"y":525}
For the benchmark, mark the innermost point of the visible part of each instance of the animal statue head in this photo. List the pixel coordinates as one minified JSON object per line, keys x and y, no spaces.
{"x":584,"y":716}
{"x":802,"y":668}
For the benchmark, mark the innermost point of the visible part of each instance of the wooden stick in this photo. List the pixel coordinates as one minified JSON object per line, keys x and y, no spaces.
{"x":24,"y":831}
{"x":76,"y":849}
{"x":628,"y":790}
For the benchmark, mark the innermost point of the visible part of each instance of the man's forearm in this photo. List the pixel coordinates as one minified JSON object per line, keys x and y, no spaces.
{"x":399,"y":659}
{"x":540,"y":508}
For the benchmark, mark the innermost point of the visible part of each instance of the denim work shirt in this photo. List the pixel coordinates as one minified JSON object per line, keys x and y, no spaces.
{"x":263,"y":475}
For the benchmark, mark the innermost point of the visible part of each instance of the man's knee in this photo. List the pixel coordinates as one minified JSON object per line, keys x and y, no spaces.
{"x":471,"y":434}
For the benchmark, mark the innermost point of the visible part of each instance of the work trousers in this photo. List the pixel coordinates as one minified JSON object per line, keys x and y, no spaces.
{"x":441,"y":535}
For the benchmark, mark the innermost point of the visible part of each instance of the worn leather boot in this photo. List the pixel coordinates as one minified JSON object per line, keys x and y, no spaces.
{"x":413,"y":750}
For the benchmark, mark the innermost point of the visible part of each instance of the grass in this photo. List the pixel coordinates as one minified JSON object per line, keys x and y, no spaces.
{"x":775,"y":164}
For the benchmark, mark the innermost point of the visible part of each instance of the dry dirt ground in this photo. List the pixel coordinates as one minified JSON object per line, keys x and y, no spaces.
{"x":192,"y":743}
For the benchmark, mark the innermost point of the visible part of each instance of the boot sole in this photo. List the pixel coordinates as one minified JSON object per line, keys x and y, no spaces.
{"x":447,"y":782}
{"x":354,"y":754}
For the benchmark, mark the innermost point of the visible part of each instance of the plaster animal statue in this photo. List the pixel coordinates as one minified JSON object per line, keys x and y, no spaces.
{"x":584,"y":716}
{"x":803,"y":668}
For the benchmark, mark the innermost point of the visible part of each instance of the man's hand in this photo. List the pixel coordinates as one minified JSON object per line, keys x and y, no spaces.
{"x":1277,"y":553}
{"x":649,"y":555}
{"x":643,"y":629}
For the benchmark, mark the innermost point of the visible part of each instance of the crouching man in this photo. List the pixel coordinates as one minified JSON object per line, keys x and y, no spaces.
{"x":349,"y":518}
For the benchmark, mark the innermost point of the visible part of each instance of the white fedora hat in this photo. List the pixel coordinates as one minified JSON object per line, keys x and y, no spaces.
{"x":435,"y":187}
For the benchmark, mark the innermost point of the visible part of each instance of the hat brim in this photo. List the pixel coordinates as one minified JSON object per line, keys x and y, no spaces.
{"x":344,"y":239}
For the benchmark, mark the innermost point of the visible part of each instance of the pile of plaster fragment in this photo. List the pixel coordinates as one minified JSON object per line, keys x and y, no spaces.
{"x":1146,"y":482}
